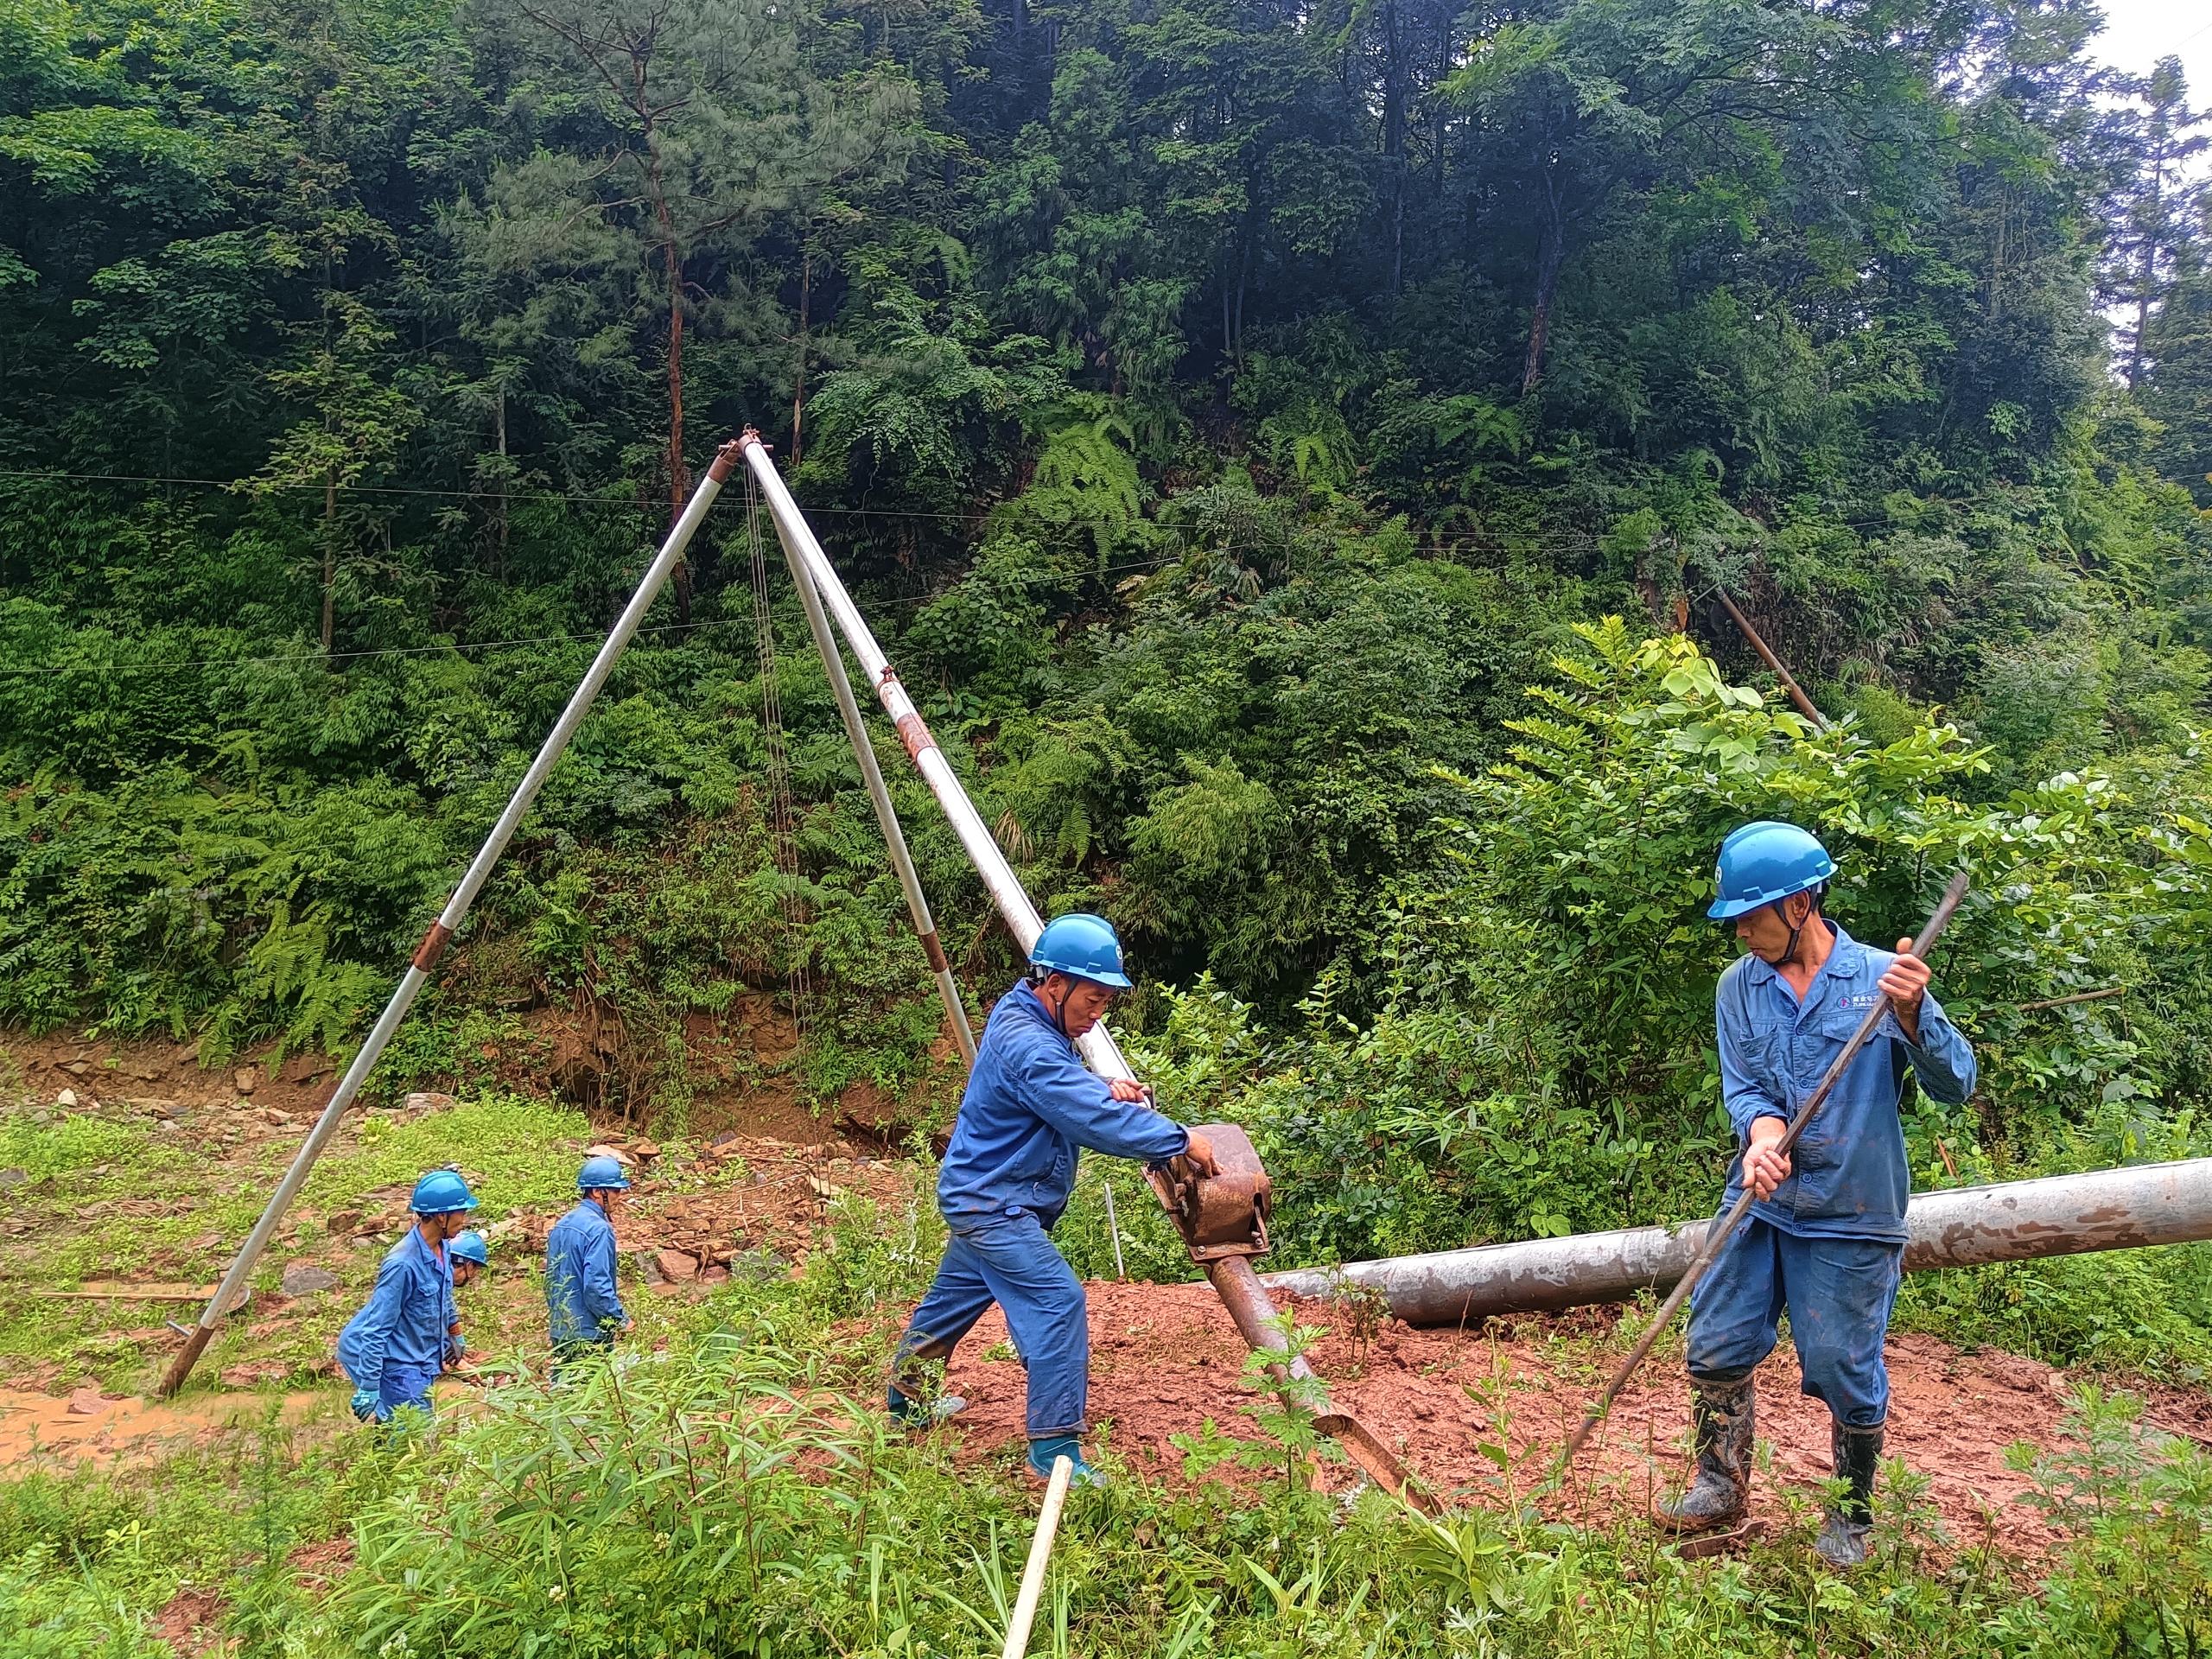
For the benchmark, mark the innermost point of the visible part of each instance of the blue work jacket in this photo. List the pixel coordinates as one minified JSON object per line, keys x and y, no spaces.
{"x":580,"y":1296}
{"x":1031,"y":1107}
{"x":1848,"y":1175}
{"x":407,"y":1316}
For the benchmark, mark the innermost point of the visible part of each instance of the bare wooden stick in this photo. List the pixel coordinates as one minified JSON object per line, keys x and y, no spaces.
{"x":1114,"y":1228}
{"x":1040,"y":1551}
{"x":1720,"y":1234}
{"x":1766,"y":655}
{"x":2078,"y":996}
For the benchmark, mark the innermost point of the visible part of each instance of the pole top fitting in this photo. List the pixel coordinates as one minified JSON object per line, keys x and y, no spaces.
{"x":725,"y":458}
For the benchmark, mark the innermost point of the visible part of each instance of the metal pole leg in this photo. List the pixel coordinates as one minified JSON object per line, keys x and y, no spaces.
{"x":441,"y":930}
{"x":878,"y":795}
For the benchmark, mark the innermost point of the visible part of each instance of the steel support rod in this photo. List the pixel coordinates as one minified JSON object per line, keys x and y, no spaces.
{"x":2126,"y":1209}
{"x":433,"y":943}
{"x":1238,"y":1287}
{"x":1766,"y":655}
{"x":878,"y":795}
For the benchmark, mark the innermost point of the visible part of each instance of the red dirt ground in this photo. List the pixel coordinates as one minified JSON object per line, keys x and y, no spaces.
{"x":1165,"y":1357}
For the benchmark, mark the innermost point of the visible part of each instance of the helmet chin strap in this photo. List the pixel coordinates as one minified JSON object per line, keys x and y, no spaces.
{"x":1789,"y":953}
{"x":1059,"y":1013}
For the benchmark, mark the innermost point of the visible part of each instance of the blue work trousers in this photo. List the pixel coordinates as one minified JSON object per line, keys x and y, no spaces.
{"x":1009,"y":1260}
{"x":1839,"y":1291}
{"x":403,"y":1385}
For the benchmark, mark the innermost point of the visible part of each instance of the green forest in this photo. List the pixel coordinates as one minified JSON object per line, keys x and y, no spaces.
{"x":1301,"y":458}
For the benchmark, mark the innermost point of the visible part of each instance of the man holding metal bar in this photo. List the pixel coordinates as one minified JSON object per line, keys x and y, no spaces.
{"x":1826,"y":1234}
{"x":1031,"y":1107}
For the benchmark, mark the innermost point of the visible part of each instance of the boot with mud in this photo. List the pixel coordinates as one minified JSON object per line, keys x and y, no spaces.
{"x":1720,"y":1495}
{"x":1844,"y":1531}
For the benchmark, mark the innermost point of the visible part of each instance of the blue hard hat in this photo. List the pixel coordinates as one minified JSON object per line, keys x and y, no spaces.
{"x":439,"y":1194}
{"x":1765,"y":862}
{"x":602,"y":1172}
{"x":471,"y":1247}
{"x":1083,"y":946}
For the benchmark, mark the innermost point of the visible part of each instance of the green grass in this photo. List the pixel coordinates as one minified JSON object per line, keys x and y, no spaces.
{"x":118,"y":1198}
{"x":741,"y":1495}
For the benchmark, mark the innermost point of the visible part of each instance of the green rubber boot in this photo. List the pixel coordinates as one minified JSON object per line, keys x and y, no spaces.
{"x":1857,"y":1452}
{"x":1720,"y":1494}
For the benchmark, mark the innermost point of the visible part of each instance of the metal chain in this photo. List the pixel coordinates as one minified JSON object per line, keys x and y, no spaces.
{"x":783,"y":816}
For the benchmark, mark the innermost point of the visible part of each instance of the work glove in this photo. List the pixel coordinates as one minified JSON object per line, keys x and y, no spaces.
{"x":364,"y":1404}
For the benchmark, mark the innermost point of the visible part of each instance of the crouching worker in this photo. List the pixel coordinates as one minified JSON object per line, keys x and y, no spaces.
{"x":1030,"y":1108}
{"x":583,"y":1306}
{"x":395,"y":1347}
{"x":1826,"y":1234}
{"x":468,"y":1255}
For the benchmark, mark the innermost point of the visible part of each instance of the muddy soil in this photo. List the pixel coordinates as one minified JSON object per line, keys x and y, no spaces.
{"x":86,"y":1426}
{"x":1165,"y":1358}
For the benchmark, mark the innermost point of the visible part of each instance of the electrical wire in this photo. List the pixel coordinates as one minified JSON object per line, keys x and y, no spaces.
{"x":105,"y":669}
{"x":508,"y":499}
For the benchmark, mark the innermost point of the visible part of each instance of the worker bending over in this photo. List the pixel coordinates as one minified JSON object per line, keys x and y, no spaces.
{"x":1826,"y":1234}
{"x":395,"y":1347}
{"x":583,"y":1307}
{"x":1031,"y":1107}
{"x":468,"y":1256}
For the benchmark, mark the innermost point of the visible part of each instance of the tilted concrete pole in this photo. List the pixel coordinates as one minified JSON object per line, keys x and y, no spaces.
{"x":2017,"y":1221}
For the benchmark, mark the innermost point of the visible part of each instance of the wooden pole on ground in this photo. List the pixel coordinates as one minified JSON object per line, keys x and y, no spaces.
{"x":1040,"y":1551}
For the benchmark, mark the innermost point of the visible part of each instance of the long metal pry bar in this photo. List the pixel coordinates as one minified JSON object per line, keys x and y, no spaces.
{"x":1228,"y":1269}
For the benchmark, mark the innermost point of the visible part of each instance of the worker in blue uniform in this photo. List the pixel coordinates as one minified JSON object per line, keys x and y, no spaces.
{"x":1030,"y":1108}
{"x":1826,"y":1234}
{"x":469,"y":1255}
{"x":582,"y":1305}
{"x":395,"y":1347}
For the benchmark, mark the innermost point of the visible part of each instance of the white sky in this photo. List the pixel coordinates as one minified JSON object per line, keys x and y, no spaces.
{"x":2138,"y":32}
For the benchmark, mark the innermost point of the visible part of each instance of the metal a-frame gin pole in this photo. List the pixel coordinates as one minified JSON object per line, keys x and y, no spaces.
{"x":449,"y":920}
{"x":1222,"y":1218}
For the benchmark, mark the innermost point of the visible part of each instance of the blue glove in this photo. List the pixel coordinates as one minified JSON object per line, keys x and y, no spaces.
{"x":364,"y":1404}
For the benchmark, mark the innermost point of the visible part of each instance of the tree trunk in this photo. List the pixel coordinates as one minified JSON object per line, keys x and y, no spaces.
{"x":2147,"y":278}
{"x":679,"y":473}
{"x":499,"y":524}
{"x":798,"y":379}
{"x":329,"y":556}
{"x":1548,"y":264}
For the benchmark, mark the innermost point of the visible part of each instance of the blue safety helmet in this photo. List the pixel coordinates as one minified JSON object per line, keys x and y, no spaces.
{"x":602,"y":1173}
{"x":1083,"y":946}
{"x":1765,"y":862}
{"x":440,"y":1192}
{"x":471,"y":1247}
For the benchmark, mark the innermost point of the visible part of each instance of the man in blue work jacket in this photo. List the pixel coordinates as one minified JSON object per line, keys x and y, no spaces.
{"x":581,"y":1304}
{"x":1031,"y":1107}
{"x":1826,"y":1234}
{"x":395,"y":1347}
{"x":469,"y":1255}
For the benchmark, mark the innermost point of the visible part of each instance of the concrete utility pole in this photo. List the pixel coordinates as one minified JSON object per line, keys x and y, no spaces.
{"x":2127,"y":1209}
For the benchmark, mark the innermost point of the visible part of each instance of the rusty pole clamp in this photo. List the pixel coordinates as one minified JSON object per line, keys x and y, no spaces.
{"x":1224,"y":1214}
{"x":1224,"y":1221}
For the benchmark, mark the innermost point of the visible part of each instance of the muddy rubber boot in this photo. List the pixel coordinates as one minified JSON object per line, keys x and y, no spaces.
{"x":1721,"y":1494}
{"x":1844,"y":1531}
